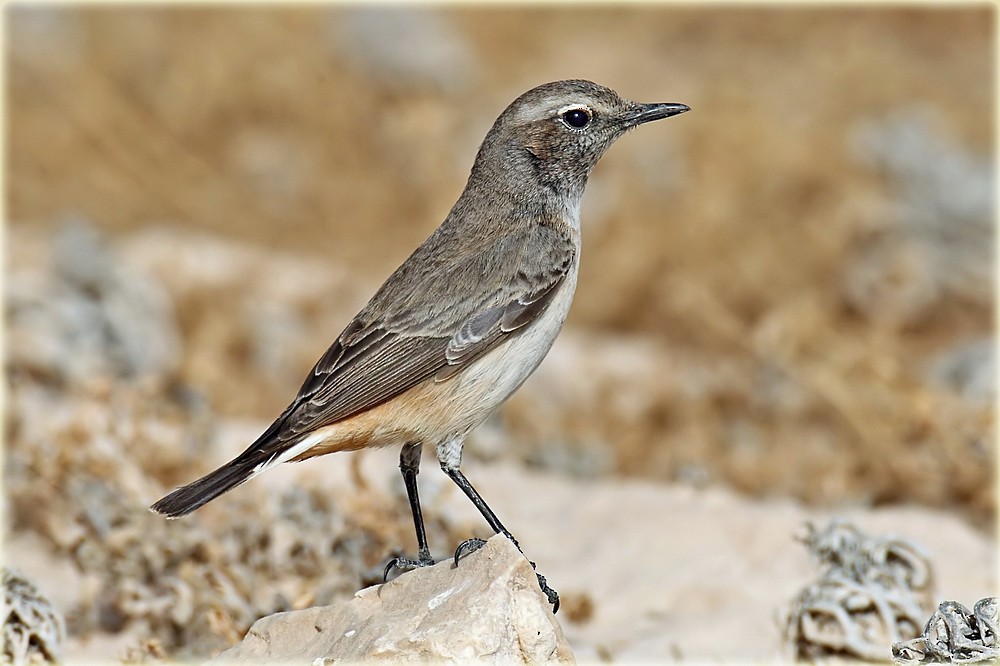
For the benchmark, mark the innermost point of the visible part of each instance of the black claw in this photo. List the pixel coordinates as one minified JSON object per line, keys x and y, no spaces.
{"x":466,"y":547}
{"x":551,"y":594}
{"x":406,"y":564}
{"x":389,"y":567}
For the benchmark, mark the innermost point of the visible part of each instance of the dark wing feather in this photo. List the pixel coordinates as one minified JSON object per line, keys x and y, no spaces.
{"x":388,"y":349}
{"x":382,"y":372}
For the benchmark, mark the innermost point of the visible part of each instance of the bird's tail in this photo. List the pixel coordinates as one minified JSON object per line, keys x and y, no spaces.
{"x":187,"y":498}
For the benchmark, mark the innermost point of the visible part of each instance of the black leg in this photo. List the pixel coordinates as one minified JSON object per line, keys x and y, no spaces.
{"x":456,"y":475}
{"x":409,"y":467}
{"x":472,"y":545}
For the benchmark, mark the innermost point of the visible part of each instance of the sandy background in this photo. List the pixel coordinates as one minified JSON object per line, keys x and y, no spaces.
{"x":785,"y":294}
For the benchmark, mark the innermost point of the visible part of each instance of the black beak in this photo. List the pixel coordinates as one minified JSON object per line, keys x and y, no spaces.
{"x":644,"y":113}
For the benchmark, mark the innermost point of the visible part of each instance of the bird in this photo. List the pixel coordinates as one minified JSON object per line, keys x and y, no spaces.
{"x":464,"y":320}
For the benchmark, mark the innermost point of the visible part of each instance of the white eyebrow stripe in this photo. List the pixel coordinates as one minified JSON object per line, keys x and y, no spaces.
{"x":571,"y":107}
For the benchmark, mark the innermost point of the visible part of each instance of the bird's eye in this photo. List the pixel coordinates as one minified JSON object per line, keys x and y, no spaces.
{"x":576,"y":117}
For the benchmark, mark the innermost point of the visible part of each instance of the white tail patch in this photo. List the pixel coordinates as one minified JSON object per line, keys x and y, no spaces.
{"x":311,"y":440}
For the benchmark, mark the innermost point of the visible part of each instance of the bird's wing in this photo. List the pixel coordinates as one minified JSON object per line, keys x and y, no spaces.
{"x":417,"y":328}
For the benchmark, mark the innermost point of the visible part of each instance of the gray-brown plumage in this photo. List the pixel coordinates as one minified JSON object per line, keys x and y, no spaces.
{"x":467,"y":317}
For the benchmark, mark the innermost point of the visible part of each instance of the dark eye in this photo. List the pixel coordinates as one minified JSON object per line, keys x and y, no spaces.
{"x":577,"y":118}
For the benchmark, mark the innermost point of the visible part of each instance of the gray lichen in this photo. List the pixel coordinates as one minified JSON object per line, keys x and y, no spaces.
{"x":955,"y":635}
{"x":33,"y":630}
{"x":872,"y":593}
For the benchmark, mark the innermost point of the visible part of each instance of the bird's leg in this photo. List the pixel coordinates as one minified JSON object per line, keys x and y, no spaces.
{"x":409,"y":466}
{"x":455,"y":474}
{"x":466,"y":547}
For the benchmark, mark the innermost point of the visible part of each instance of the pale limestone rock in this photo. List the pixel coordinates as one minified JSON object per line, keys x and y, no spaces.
{"x":488,"y":609}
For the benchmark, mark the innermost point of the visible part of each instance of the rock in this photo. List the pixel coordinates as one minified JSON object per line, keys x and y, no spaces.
{"x":488,"y":608}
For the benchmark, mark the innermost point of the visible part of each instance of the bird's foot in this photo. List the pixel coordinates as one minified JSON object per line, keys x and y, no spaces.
{"x":472,"y":545}
{"x":403,"y":564}
{"x":468,"y":546}
{"x":549,"y":593}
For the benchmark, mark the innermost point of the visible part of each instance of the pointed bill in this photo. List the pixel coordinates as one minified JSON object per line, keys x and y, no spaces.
{"x":644,"y":113}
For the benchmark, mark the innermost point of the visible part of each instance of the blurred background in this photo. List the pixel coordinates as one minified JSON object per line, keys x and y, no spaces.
{"x":787,"y":292}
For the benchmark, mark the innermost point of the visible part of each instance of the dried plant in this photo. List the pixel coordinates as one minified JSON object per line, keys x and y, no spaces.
{"x":871,"y":593}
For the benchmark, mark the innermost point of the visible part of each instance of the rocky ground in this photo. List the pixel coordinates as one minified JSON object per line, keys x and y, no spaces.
{"x":101,"y":425}
{"x":488,"y":607}
{"x":785,"y":311}
{"x":645,"y":571}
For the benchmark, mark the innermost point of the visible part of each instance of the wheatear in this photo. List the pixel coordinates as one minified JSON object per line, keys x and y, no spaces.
{"x":468,"y":316}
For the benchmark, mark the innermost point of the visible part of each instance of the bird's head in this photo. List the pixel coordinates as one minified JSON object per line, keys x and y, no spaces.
{"x":560,"y":130}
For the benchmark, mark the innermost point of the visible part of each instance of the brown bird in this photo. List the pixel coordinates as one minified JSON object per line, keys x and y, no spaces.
{"x":460,"y":325}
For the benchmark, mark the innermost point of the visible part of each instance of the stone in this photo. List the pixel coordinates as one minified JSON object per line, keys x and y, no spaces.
{"x":489,"y":608}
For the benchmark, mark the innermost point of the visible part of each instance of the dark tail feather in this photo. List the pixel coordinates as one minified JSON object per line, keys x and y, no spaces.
{"x":187,"y":498}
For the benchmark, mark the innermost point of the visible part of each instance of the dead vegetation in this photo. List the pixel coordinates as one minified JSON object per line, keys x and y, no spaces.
{"x":955,"y":635}
{"x":788,"y":293}
{"x":808,"y":254}
{"x":33,"y":630}
{"x":871,"y":593}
